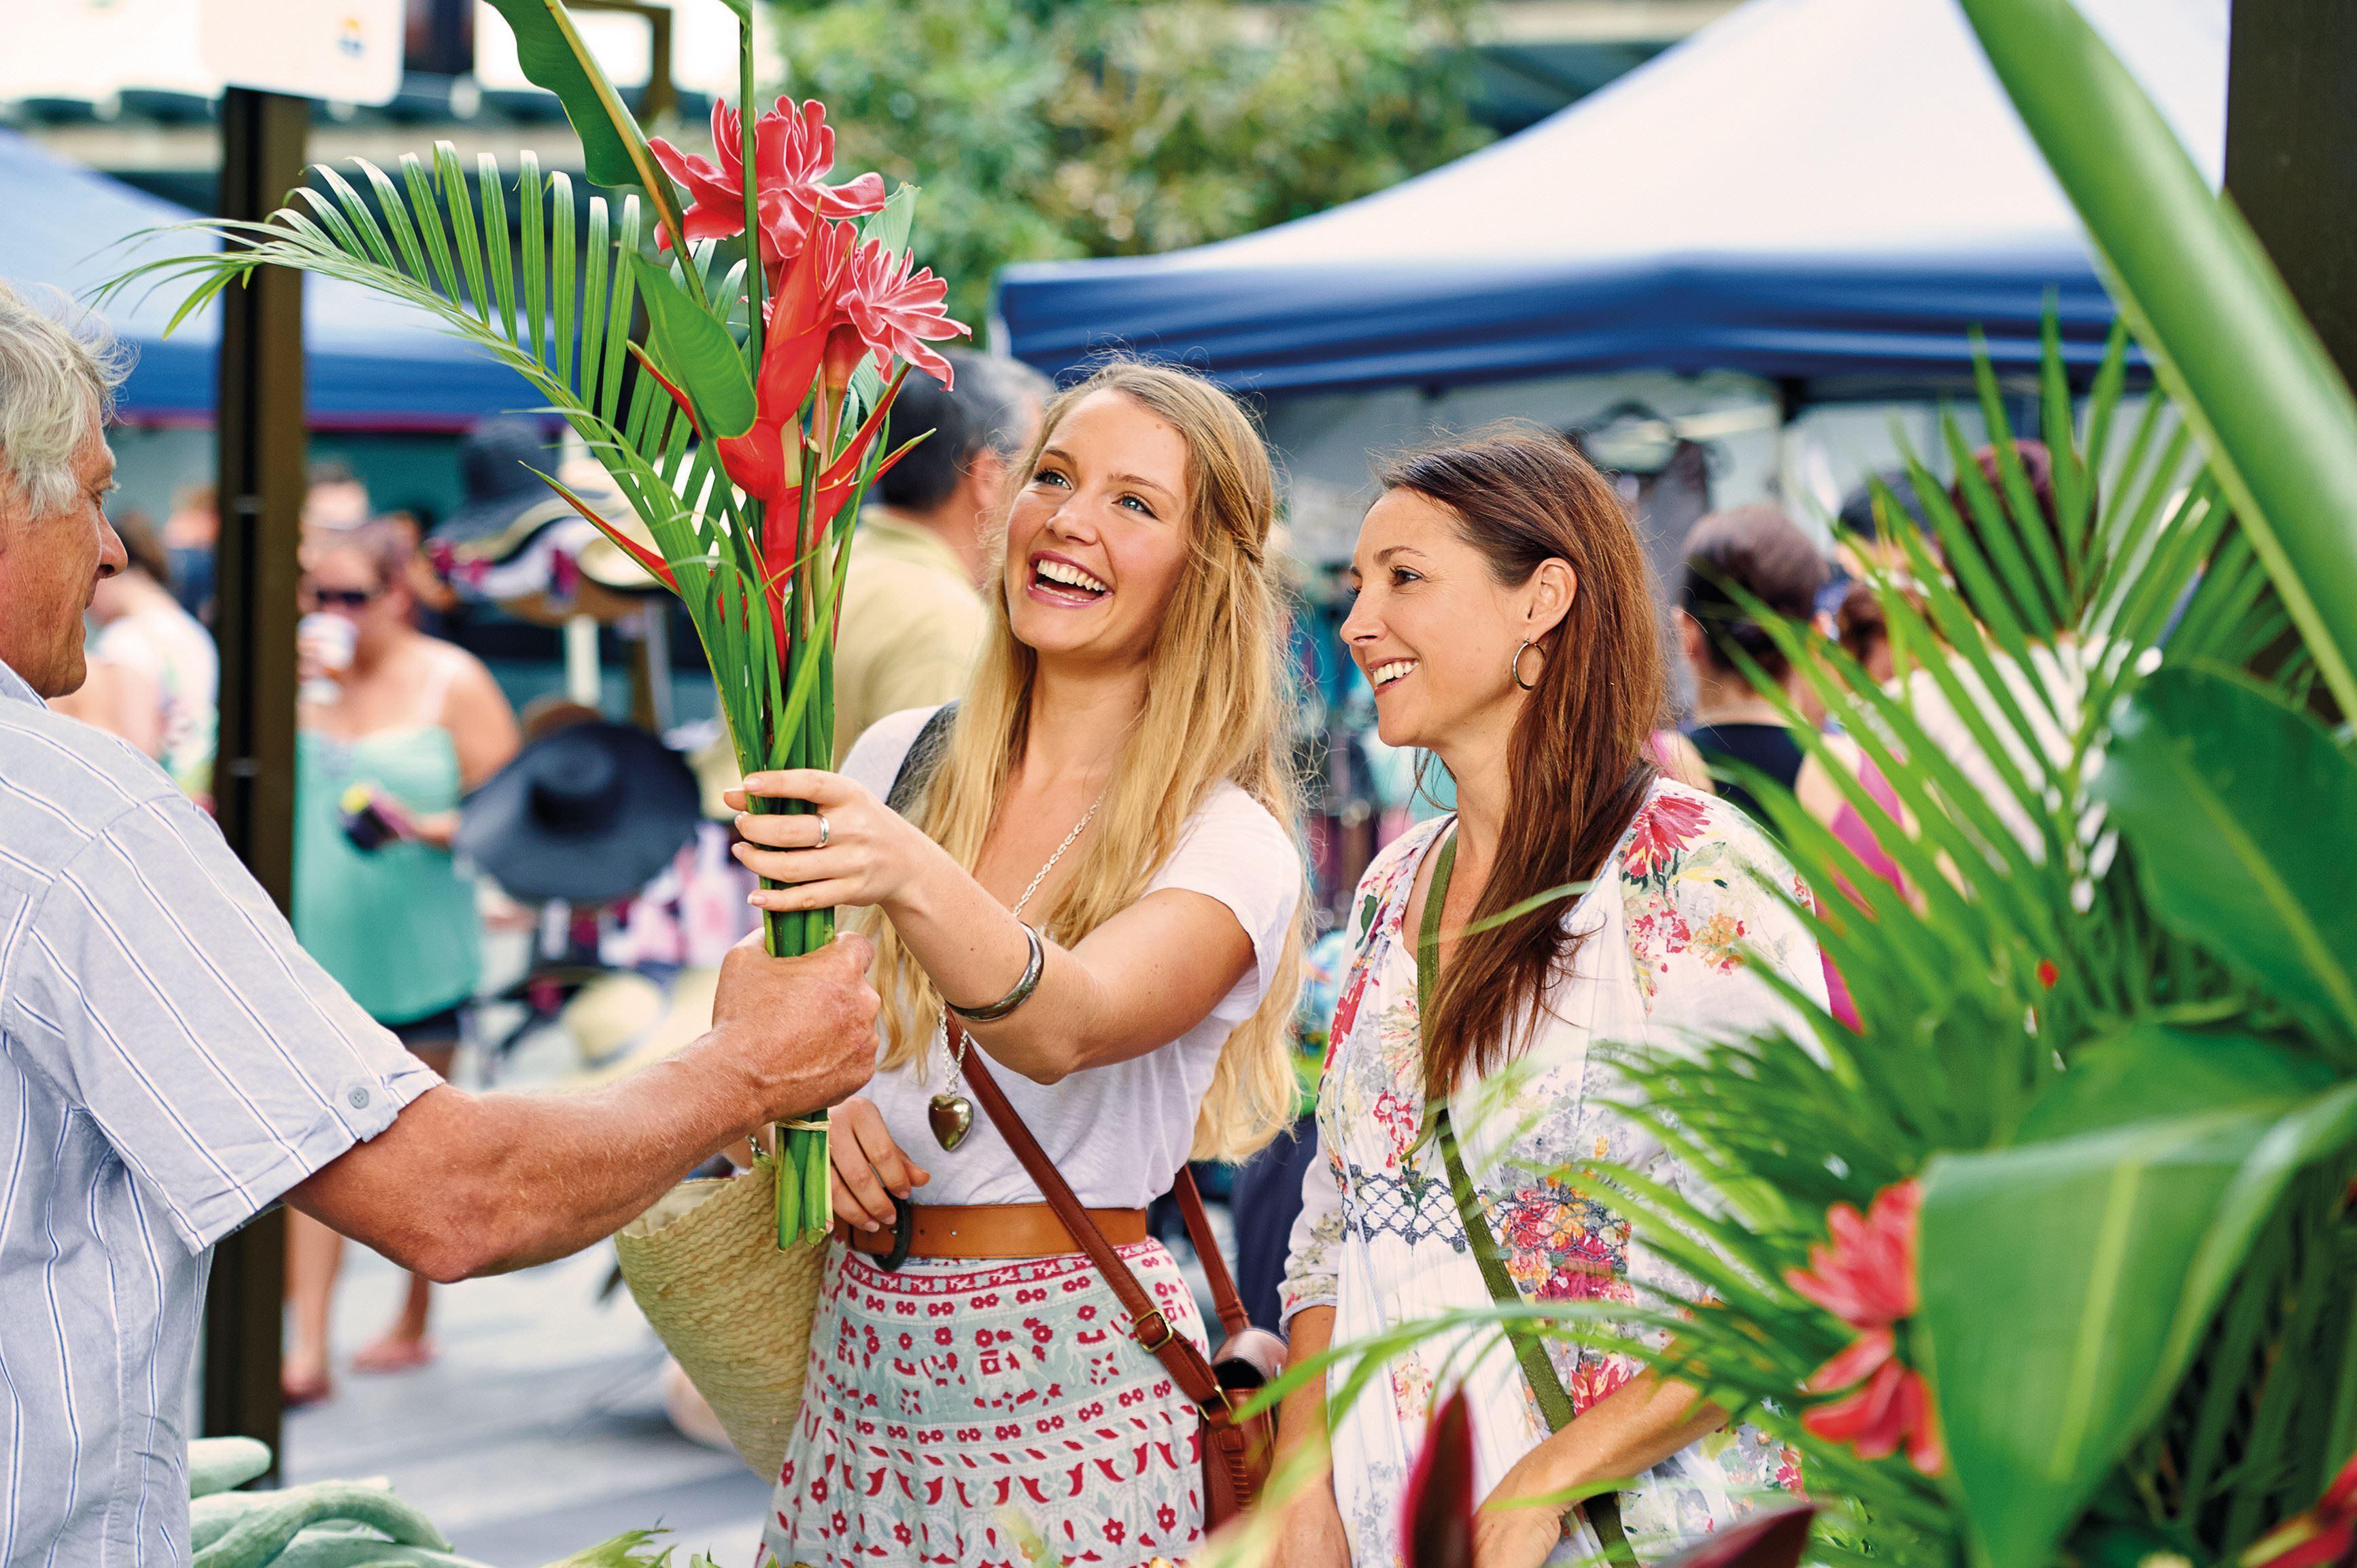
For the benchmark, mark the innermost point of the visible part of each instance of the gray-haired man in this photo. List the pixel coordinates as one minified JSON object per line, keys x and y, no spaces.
{"x":171,"y":1063}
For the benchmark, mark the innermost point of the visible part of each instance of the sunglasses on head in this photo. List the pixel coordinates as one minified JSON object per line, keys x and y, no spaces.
{"x":345,"y":598}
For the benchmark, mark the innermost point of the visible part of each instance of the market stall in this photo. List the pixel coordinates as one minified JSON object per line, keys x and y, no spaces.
{"x":1826,"y":192}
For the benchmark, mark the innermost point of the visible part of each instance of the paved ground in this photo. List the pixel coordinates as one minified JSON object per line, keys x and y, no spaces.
{"x":539,"y":1432}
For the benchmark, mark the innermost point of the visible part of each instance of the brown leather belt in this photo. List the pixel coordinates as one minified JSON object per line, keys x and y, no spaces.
{"x":988,"y":1231}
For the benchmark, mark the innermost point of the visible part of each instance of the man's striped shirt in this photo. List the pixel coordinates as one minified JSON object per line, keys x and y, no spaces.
{"x":170,"y":1063}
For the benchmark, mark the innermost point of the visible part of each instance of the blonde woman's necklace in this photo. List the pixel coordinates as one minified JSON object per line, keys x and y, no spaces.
{"x":950,"y":1114}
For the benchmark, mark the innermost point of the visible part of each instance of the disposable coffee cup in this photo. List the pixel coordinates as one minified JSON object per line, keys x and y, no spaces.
{"x":331,"y":640}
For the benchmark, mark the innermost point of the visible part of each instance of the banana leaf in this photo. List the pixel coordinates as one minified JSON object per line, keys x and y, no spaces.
{"x":2243,"y":811}
{"x":614,"y":151}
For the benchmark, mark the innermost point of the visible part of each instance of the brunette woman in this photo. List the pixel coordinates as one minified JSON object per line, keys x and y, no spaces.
{"x":1503,"y":619}
{"x":1099,"y":882}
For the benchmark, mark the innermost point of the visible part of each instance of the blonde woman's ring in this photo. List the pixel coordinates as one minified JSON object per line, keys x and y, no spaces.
{"x":825,"y":834}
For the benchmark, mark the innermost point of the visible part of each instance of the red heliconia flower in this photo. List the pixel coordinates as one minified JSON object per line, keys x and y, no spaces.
{"x":794,"y":151}
{"x":1436,"y":1504}
{"x":1866,"y":1278}
{"x":898,"y":307}
{"x":2323,"y":1536}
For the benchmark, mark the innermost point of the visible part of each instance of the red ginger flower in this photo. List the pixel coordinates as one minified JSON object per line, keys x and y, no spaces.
{"x":896,"y":306}
{"x":768,"y":462}
{"x":800,"y":317}
{"x":1866,"y":1278}
{"x":793,"y":150}
{"x":2324,"y":1535}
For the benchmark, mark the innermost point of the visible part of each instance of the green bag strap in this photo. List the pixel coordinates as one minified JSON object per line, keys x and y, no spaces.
{"x":1603,"y":1510}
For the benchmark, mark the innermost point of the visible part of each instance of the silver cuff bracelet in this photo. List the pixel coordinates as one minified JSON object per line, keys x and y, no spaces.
{"x":1014,"y":998}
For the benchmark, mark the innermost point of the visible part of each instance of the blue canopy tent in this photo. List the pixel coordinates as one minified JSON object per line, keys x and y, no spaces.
{"x":1824,"y":192}
{"x":373,"y":363}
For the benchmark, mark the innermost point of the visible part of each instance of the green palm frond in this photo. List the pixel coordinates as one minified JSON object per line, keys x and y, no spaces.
{"x":419,"y":240}
{"x":543,"y":296}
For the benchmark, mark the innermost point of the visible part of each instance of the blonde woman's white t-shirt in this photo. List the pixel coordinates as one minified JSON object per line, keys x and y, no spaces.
{"x":1118,"y":1133}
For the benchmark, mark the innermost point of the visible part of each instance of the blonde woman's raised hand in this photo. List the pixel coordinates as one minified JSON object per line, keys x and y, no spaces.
{"x":850,"y":848}
{"x":870,"y":1171}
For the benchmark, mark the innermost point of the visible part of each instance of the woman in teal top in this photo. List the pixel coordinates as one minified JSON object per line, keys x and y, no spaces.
{"x":405,"y":725}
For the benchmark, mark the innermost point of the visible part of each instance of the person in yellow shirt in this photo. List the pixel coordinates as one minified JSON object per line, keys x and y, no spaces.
{"x":912,"y":610}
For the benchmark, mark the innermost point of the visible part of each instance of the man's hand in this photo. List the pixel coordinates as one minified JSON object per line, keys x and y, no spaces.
{"x":805,"y":1028}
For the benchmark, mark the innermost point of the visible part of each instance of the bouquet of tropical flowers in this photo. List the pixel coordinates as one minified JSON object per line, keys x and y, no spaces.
{"x":782,"y":314}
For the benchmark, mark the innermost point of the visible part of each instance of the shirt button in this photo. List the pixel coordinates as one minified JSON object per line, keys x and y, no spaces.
{"x":359,"y":1097}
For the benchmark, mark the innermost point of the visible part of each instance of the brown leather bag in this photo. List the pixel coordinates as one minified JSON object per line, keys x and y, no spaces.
{"x":1236,"y":1453}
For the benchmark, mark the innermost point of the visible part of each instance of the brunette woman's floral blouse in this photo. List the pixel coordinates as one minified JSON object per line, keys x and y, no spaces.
{"x":1380,"y":1241}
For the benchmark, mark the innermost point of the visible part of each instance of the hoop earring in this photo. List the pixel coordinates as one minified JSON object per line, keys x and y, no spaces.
{"x":1515,"y":665}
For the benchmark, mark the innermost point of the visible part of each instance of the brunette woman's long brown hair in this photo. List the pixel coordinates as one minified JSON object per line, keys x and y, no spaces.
{"x":1578,"y":762}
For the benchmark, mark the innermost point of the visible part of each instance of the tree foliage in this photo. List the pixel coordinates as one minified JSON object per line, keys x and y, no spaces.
{"x":1045,"y":129}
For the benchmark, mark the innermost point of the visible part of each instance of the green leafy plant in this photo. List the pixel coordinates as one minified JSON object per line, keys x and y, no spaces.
{"x":740,"y":426}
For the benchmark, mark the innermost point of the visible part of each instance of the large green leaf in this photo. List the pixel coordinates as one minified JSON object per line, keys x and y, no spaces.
{"x":2153,"y":1071}
{"x":2226,"y":338}
{"x":2050,"y":1277}
{"x":2243,"y":814}
{"x":614,"y":150}
{"x":697,"y":350}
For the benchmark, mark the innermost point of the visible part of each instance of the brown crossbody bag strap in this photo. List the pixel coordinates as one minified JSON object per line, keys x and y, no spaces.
{"x":1226,"y":1444}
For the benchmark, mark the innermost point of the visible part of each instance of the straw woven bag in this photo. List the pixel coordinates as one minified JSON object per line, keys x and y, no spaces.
{"x":734,"y":1311}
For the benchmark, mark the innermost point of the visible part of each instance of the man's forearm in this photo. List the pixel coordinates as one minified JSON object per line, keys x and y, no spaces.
{"x":582,"y":1167}
{"x":504,"y":1181}
{"x":463,"y":1183}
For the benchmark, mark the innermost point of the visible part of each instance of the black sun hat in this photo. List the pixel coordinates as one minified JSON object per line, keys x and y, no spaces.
{"x":588,"y":814}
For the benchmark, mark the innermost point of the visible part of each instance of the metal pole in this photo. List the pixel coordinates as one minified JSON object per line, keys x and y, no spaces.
{"x":260,"y":431}
{"x":2291,"y":120}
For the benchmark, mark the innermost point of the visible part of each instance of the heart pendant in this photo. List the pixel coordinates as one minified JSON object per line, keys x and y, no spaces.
{"x":952,"y":1116}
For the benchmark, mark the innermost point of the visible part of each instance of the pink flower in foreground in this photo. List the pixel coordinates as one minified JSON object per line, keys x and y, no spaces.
{"x":1866,"y":1278}
{"x":794,"y":155}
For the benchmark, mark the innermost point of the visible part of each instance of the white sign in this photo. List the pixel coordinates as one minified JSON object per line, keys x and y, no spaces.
{"x":346,"y":50}
{"x":93,"y":49}
{"x":703,"y":47}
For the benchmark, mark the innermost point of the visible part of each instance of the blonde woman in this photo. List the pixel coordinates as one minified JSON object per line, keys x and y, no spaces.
{"x":1099,"y":879}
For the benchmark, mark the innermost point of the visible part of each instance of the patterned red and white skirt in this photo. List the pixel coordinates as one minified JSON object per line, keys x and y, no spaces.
{"x":988,"y":1417}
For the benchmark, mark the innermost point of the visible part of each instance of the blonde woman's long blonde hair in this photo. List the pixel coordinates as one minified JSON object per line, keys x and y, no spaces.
{"x":1216,"y":697}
